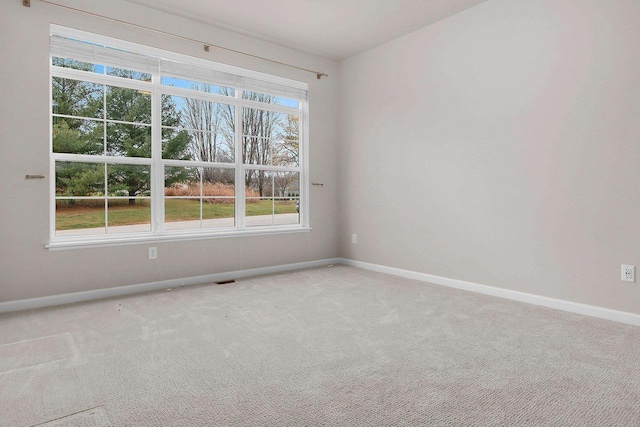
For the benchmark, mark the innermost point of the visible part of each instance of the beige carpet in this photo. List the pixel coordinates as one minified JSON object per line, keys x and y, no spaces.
{"x":321,"y":347}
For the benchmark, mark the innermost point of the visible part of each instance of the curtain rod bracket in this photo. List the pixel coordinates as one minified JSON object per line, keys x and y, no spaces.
{"x":321,"y":75}
{"x":206,"y":47}
{"x":26,"y":3}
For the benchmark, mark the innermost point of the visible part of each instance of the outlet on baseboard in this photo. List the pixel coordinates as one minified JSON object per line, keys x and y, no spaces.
{"x":628,"y":273}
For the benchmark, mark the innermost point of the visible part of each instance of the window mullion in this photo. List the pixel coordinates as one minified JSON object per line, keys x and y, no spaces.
{"x":157,"y":166}
{"x":89,"y":158}
{"x":240,"y":172}
{"x":103,"y":79}
{"x":105,"y":145}
{"x":201,"y":194}
{"x":106,"y":198}
{"x":303,"y":155}
{"x":52,"y":164}
{"x":193,"y":163}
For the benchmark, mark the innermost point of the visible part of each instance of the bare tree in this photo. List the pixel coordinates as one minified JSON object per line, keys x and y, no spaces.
{"x":286,"y":183}
{"x":211,"y":139}
{"x":287,"y":151}
{"x":259,"y":128}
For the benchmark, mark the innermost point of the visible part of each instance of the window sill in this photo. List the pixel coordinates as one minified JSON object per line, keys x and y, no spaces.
{"x":103,"y":241}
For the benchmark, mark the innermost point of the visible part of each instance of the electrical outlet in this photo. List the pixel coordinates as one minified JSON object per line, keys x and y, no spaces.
{"x":153,"y":252}
{"x":628,"y":273}
{"x":354,"y":238}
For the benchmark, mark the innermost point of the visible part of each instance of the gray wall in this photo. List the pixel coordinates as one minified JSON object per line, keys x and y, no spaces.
{"x":500,"y":146}
{"x":27,"y":269}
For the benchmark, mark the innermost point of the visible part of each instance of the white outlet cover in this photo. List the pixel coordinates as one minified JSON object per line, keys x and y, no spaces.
{"x":628,"y":273}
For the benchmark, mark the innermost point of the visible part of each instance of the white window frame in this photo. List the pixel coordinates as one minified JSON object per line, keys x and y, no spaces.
{"x":253,"y":79}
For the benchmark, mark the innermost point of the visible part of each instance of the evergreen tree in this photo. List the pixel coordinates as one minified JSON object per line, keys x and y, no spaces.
{"x":87,"y":135}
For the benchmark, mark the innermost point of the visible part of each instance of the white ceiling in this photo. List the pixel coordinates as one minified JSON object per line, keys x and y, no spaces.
{"x":334,"y":29}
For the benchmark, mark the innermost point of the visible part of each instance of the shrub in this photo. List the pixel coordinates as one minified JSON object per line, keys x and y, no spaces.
{"x":209,"y":191}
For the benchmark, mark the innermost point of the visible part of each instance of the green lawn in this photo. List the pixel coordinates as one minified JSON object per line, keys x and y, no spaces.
{"x":91,"y":215}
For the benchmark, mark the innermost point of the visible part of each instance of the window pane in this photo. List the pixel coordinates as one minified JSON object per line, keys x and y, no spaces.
{"x":176,"y":144}
{"x":78,"y":217}
{"x":196,"y":114}
{"x":77,"y":136}
{"x":272,"y":198}
{"x":77,"y":98}
{"x":128,"y":181}
{"x":210,"y":147}
{"x":264,"y":134}
{"x":256,"y":150}
{"x":259,"y":183}
{"x":218,"y":182}
{"x":286,"y":211}
{"x":181,"y":181}
{"x":218,"y":192}
{"x":171,"y":108}
{"x":197,"y":130}
{"x":201,"y":87}
{"x":285,"y":153}
{"x":77,"y":65}
{"x":129,"y":215}
{"x":80,"y":179}
{"x":218,"y":213}
{"x":181,"y":213}
{"x":259,"y":212}
{"x":286,"y":146}
{"x":270,"y":99}
{"x":128,"y":140}
{"x":128,"y":74}
{"x":286,"y":184}
{"x":128,"y":105}
{"x":183,"y":194}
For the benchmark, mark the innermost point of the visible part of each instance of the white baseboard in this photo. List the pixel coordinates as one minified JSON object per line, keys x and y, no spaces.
{"x":27,"y":304}
{"x":573,"y":307}
{"x":588,"y":310}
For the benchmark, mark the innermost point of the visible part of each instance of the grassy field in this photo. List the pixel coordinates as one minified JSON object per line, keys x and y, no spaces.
{"x":91,"y":216}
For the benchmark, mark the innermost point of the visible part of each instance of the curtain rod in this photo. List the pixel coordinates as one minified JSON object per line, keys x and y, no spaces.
{"x":206,"y":46}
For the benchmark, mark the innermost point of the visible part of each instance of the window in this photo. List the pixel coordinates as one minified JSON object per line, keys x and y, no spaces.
{"x":148,"y":144}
